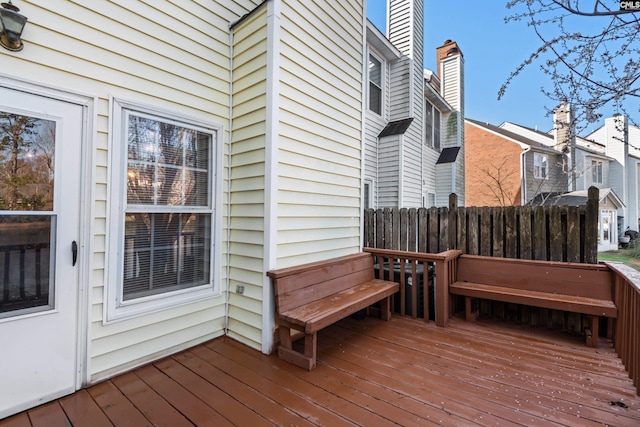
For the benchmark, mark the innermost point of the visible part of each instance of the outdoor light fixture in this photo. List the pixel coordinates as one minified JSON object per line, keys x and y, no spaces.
{"x":11,"y":26}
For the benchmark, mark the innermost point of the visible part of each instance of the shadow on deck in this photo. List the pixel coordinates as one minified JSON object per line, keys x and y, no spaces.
{"x":371,"y":373}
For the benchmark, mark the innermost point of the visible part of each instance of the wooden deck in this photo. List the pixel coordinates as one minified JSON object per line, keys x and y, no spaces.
{"x":370,"y":373}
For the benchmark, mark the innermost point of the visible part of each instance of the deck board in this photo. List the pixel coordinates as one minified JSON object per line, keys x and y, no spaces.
{"x":402,"y":372}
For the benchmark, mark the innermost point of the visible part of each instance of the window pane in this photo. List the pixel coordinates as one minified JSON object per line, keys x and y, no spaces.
{"x":375,"y":99}
{"x":165,"y":252}
{"x":428,"y":125}
{"x":168,"y":165}
{"x":375,"y":71}
{"x":436,"y":129}
{"x":375,"y":85}
{"x":25,"y":264}
{"x":27,"y":148}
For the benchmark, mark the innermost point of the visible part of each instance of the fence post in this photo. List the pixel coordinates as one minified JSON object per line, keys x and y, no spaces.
{"x":453,"y":221}
{"x":591,"y":226}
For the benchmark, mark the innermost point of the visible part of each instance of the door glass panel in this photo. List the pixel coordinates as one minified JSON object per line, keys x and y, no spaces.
{"x":25,"y":264}
{"x":27,"y":220}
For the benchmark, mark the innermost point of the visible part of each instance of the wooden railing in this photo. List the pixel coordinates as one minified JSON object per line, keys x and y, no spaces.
{"x":627,"y":326}
{"x":30,"y":288}
{"x":392,"y":264}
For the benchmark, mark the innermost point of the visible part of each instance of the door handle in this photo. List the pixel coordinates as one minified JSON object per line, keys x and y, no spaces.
{"x":74,"y":252}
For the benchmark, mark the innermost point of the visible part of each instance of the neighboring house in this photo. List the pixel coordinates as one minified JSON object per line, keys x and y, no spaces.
{"x":185,"y":150}
{"x":414,"y":133}
{"x":608,"y":159}
{"x":504,"y":168}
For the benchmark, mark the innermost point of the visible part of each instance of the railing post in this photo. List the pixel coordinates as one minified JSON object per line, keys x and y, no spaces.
{"x":591,"y":226}
{"x":453,"y":221}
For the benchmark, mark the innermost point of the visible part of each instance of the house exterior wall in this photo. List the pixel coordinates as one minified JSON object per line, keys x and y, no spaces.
{"x":389,"y":171}
{"x":131,"y":50}
{"x":320,"y":135}
{"x":492,"y":169}
{"x":248,"y":177}
{"x":450,"y":177}
{"x":375,"y":123}
{"x":400,"y":90}
{"x":291,"y":167}
{"x":557,"y":181}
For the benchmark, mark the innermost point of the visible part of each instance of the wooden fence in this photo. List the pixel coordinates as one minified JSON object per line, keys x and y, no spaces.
{"x":551,"y":233}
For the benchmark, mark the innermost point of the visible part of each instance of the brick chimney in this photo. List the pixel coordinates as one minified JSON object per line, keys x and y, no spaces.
{"x":448,"y":48}
{"x":565,"y":139}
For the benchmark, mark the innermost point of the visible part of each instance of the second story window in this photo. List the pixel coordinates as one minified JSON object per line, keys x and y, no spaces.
{"x":540,"y":166}
{"x":375,"y":85}
{"x":431,"y":126}
{"x":596,"y":171}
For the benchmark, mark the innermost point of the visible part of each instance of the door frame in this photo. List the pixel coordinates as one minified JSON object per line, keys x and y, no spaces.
{"x":87,"y":208}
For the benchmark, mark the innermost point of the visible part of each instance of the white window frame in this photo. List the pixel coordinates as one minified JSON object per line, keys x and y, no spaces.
{"x":430,"y":129}
{"x":540,"y":166}
{"x":115,"y":308}
{"x":367,"y":189}
{"x":381,"y":87}
{"x":596,"y":171}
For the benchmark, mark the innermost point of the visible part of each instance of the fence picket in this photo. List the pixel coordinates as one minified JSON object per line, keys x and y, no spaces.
{"x":544,"y":233}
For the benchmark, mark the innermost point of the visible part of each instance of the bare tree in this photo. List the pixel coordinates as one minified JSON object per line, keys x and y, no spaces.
{"x":16,"y":133}
{"x":496,"y":179}
{"x":589,"y":49}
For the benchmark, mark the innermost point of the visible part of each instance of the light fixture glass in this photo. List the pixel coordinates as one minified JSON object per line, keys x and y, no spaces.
{"x":11,"y":25}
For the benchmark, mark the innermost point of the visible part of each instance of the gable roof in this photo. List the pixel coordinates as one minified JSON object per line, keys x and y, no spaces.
{"x":574,"y":198}
{"x":512,"y":135}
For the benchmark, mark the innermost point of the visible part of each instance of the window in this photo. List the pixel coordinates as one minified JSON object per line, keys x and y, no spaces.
{"x":431,"y":126}
{"x":166,"y":218}
{"x":540,"y":166}
{"x":367,"y":195}
{"x":375,"y":85}
{"x":430,"y":200}
{"x":596,"y":172}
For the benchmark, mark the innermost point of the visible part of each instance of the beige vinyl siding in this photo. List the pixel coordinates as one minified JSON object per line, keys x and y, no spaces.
{"x":320,"y":130}
{"x":175,"y":57}
{"x":246,"y":251}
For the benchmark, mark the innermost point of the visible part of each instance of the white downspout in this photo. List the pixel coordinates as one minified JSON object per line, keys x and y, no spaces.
{"x":523,"y":171}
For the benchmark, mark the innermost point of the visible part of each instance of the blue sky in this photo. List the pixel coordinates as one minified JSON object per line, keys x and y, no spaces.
{"x":492,"y":49}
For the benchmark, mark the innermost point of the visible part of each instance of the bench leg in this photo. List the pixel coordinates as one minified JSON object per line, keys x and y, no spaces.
{"x":385,"y":309}
{"x":306,"y":360}
{"x":592,"y":332}
{"x":470,"y":314}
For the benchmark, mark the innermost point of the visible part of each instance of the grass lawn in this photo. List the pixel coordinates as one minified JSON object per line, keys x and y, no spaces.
{"x":626,"y":256}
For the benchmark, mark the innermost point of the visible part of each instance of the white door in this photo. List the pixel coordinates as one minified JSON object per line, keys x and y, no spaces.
{"x":40,"y":182}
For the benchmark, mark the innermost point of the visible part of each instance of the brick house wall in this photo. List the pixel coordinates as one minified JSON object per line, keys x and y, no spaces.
{"x":492,"y":169}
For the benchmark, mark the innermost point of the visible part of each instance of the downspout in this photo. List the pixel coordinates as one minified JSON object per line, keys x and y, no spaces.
{"x":523,"y":171}
{"x":227,"y":191}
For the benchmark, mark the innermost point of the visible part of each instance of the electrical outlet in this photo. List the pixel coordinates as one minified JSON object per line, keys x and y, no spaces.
{"x":239,"y":289}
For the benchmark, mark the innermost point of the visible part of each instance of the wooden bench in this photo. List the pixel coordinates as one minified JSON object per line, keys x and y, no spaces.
{"x":579,"y":288}
{"x":312,"y":296}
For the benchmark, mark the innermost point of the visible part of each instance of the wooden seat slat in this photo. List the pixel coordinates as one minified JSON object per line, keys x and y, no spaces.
{"x":324,"y":312}
{"x":572,"y":303}
{"x":312,"y":296}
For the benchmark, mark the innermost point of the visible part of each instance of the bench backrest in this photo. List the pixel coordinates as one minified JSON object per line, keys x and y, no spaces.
{"x":299,"y":285}
{"x":586,"y":280}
